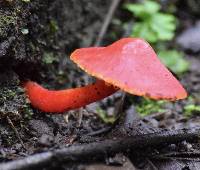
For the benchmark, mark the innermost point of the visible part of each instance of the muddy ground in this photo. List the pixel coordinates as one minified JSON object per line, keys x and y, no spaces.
{"x":36,"y":39}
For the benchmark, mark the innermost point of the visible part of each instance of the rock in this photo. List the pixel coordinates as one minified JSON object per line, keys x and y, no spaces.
{"x":40,"y":127}
{"x":127,"y":165}
{"x":46,"y":140}
{"x":190,"y":38}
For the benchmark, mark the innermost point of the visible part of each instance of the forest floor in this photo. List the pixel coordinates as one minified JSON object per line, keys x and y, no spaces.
{"x":32,"y":139}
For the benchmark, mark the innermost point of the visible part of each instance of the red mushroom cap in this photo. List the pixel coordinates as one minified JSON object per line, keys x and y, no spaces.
{"x":132,"y":65}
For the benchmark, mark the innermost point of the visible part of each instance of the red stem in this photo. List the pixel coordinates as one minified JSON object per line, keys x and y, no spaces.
{"x":65,"y":100}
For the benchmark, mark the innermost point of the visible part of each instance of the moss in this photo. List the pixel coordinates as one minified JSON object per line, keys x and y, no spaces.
{"x":53,"y":26}
{"x":13,"y":100}
{"x":10,"y":101}
{"x":109,"y":119}
{"x":49,"y":58}
{"x":5,"y":22}
{"x":148,"y":106}
{"x":191,"y":109}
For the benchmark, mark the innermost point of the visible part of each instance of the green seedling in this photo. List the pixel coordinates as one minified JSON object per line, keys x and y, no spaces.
{"x":152,"y":25}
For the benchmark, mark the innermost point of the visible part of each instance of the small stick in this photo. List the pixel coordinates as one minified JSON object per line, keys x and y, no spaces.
{"x":100,"y":131}
{"x":119,"y":108}
{"x":80,"y":117}
{"x":107,"y":21}
{"x":15,"y":131}
{"x":152,"y":165}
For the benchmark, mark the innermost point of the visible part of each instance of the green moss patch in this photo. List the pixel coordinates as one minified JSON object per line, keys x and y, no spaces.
{"x":5,"y":22}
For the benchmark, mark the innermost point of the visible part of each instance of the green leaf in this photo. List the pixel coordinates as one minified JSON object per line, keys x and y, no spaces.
{"x":136,"y":9}
{"x":174,"y":60}
{"x":151,"y":7}
{"x":143,"y":30}
{"x":164,"y":25}
{"x":153,"y":25}
{"x":145,"y":8}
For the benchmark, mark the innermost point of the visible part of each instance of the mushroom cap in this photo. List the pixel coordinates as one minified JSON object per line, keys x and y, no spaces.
{"x":132,"y":65}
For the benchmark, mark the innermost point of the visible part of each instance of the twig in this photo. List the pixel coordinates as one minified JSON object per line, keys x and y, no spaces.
{"x":100,"y":149}
{"x":106,"y":22}
{"x":15,"y":131}
{"x":179,"y":156}
{"x":100,"y":131}
{"x":80,"y":117}
{"x":152,"y":165}
{"x":119,"y":108}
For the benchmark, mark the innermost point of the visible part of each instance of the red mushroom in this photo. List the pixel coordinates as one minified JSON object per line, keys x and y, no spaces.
{"x":129,"y":64}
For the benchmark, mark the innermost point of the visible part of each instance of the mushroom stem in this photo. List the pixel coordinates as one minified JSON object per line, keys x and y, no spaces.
{"x":65,"y":100}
